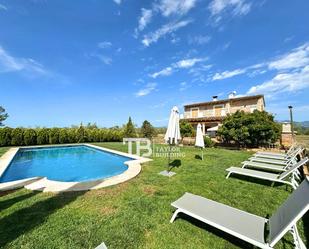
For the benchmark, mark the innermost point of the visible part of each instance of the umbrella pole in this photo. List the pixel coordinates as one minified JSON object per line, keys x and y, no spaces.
{"x":169,"y":158}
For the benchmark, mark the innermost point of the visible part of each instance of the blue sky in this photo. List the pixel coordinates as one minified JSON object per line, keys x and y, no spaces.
{"x":66,"y":62}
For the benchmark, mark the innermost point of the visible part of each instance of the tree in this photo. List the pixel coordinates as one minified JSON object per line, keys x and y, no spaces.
{"x":3,"y":115}
{"x":250,"y":129}
{"x":43,"y":136}
{"x":186,"y":129}
{"x":17,"y":137}
{"x":30,"y":137}
{"x":81,"y":134}
{"x":147,"y":130}
{"x":54,"y":135}
{"x":129,"y":130}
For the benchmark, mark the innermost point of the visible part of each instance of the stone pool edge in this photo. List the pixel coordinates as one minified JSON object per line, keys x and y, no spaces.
{"x":45,"y":185}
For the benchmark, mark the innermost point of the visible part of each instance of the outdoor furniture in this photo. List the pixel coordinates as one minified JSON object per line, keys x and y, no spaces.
{"x":292,"y":148}
{"x":249,"y":227}
{"x":280,"y":157}
{"x":287,"y":177}
{"x":269,"y":164}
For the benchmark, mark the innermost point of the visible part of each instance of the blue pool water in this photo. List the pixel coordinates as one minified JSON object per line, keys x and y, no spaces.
{"x":67,"y":164}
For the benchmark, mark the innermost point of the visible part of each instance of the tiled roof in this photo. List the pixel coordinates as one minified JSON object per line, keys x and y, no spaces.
{"x":225,"y":101}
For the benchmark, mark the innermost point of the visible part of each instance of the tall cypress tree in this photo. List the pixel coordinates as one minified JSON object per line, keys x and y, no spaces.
{"x":129,"y":130}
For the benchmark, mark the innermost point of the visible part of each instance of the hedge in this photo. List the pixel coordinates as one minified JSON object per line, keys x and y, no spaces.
{"x":40,"y":136}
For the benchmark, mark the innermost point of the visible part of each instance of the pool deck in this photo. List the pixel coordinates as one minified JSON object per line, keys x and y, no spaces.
{"x":45,"y":185}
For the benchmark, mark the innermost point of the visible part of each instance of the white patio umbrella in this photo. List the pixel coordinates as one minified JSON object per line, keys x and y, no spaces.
{"x":199,"y":140}
{"x":172,"y":135}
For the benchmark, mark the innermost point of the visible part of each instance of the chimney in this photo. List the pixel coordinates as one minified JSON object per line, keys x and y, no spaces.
{"x":232,"y":95}
{"x":214,"y":98}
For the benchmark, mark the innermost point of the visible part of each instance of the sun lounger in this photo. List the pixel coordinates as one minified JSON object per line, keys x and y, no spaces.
{"x":264,"y":166}
{"x":292,"y":149}
{"x":269,"y":164}
{"x":287,"y":177}
{"x":286,"y":157}
{"x":246,"y":226}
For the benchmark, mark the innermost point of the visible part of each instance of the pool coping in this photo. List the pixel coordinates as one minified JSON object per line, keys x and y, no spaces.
{"x":46,"y":185}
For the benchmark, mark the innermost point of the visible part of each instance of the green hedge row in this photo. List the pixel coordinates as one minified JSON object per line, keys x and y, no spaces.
{"x":40,"y":136}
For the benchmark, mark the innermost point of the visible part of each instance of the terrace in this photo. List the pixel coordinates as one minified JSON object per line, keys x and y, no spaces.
{"x":136,"y":214}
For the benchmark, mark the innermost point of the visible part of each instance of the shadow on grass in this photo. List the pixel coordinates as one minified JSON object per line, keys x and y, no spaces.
{"x":198,"y":157}
{"x":174,"y":164}
{"x":234,"y":240}
{"x":260,"y":181}
{"x":7,"y":203}
{"x":306,"y":228}
{"x":26,"y":219}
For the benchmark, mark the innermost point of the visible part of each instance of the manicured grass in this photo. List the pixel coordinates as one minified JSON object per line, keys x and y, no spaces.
{"x":136,"y":214}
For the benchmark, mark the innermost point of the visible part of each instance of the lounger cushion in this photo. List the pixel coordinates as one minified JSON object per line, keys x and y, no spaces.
{"x":266,"y":160}
{"x":253,"y":173}
{"x":289,"y":212}
{"x":272,"y":157}
{"x":223,"y":217}
{"x":264,"y":166}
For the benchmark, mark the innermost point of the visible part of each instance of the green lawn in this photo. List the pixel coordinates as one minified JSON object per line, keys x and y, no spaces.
{"x":136,"y":214}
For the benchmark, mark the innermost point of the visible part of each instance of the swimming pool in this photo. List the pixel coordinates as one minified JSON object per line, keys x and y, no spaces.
{"x":64,"y":163}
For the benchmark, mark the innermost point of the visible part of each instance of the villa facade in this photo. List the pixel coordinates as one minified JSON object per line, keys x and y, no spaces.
{"x":211,"y":114}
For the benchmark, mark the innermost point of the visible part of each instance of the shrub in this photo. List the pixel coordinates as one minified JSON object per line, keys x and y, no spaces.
{"x":17,"y":136}
{"x":63,"y":136}
{"x":208,"y":142}
{"x":54,"y":135}
{"x":5,"y":136}
{"x":29,"y":137}
{"x":250,"y":129}
{"x":147,"y":130}
{"x":81,"y":135}
{"x":186,"y":129}
{"x":22,"y":136}
{"x":42,"y":136}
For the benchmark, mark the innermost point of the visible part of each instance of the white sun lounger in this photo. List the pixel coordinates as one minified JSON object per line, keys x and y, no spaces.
{"x":286,"y":157}
{"x":287,"y":177}
{"x":264,"y":166}
{"x":292,"y":149}
{"x":246,"y":226}
{"x":269,"y":164}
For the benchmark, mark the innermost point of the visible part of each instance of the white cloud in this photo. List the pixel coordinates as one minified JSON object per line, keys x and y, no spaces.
{"x":297,"y":58}
{"x":104,"y":44}
{"x":3,"y":7}
{"x":164,"y":30}
{"x":103,"y":58}
{"x":228,"y":74}
{"x":8,"y":63}
{"x":164,"y":72}
{"x":187,"y":63}
{"x":199,"y":40}
{"x":182,"y":64}
{"x":179,"y":7}
{"x":144,"y":19}
{"x":283,"y":82}
{"x":117,"y":1}
{"x":237,"y":7}
{"x":150,"y":87}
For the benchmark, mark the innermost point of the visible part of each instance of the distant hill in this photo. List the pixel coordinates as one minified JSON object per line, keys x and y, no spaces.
{"x":303,"y":124}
